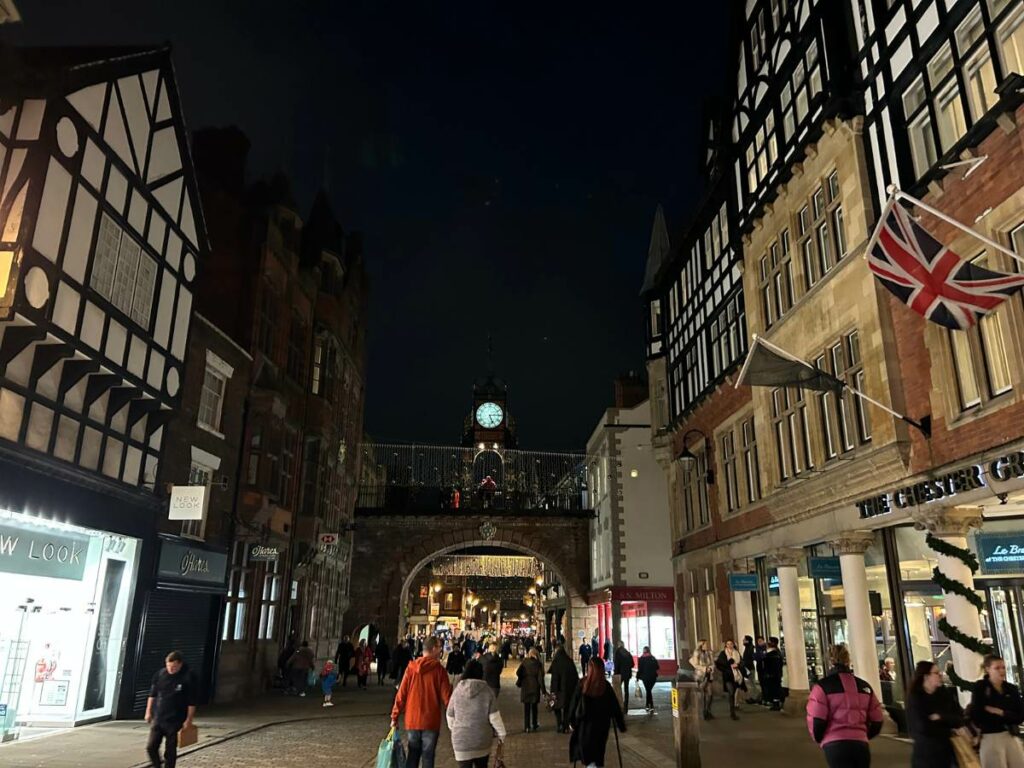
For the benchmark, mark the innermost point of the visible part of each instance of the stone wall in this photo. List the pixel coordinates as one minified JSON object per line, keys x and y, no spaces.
{"x":389,"y":550}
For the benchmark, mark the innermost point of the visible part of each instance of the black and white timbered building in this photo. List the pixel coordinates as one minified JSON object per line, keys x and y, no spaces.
{"x":939,"y":76}
{"x":101,"y":238}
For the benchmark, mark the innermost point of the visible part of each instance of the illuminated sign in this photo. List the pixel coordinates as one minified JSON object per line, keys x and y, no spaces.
{"x":934,"y":489}
{"x":1000,"y":552}
{"x":42,"y":551}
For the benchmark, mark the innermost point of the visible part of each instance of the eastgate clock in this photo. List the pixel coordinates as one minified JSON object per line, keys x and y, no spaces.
{"x":489,"y":415}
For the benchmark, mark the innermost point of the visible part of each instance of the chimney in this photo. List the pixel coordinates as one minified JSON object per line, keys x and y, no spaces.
{"x":630,"y":390}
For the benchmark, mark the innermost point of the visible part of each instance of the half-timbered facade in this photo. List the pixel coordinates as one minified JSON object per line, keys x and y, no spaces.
{"x":938,"y":78}
{"x":101,"y":242}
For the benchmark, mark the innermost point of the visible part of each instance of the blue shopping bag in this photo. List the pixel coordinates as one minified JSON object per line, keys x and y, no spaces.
{"x":390,"y":753}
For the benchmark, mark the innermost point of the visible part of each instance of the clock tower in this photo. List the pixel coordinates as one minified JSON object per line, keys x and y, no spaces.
{"x":489,"y":421}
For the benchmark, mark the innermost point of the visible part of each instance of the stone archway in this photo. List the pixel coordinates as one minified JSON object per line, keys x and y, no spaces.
{"x":571,"y":597}
{"x":389,"y":550}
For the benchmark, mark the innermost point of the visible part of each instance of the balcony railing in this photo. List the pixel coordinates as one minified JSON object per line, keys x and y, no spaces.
{"x":435,"y":479}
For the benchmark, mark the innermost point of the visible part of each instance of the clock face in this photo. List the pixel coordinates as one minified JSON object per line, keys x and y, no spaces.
{"x":489,"y":415}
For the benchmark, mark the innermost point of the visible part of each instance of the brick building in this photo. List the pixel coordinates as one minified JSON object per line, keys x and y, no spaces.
{"x":845,"y":491}
{"x":293,"y":295}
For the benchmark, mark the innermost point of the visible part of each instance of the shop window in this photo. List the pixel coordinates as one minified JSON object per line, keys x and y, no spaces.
{"x":237,"y":600}
{"x":980,"y":360}
{"x":1010,"y":36}
{"x":199,"y":474}
{"x":792,"y":440}
{"x":728,"y":452}
{"x":268,"y":601}
{"x":122,"y":273}
{"x":211,"y":399}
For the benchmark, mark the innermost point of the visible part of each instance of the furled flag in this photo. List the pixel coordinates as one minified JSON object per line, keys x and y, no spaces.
{"x":930,"y":278}
{"x":768,"y":366}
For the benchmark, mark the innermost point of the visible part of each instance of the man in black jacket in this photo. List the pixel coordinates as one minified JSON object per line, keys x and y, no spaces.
{"x":170,"y":707}
{"x":491,"y":662}
{"x":771,"y":678}
{"x":343,"y":658}
{"x":623,"y":667}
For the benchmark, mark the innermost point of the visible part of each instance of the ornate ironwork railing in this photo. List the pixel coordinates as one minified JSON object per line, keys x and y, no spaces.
{"x":413,"y":478}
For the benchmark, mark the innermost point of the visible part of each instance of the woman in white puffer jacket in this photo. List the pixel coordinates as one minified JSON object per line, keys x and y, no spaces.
{"x":473,"y":718}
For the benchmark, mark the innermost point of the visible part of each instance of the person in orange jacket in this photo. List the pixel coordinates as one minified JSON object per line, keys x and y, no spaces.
{"x":422,"y":697}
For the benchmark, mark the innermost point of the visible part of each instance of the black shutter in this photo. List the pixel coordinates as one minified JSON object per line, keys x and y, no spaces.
{"x":176,"y":621}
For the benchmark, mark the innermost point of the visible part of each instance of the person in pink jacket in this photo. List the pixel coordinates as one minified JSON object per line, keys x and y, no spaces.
{"x":843,"y":714}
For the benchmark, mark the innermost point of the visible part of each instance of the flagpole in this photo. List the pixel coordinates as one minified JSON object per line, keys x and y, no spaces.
{"x":926,"y":429}
{"x":962,"y":227}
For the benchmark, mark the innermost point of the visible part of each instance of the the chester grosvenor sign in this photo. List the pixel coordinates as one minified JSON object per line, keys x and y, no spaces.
{"x":944,"y":486}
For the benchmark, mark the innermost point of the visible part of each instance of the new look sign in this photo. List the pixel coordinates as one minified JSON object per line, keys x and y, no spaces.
{"x":42,"y":551}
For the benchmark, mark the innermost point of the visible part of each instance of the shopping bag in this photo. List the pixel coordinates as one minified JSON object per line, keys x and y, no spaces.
{"x":188,"y":736}
{"x":499,"y":757}
{"x":397,"y":750}
{"x":966,"y":757}
{"x":638,"y":693}
{"x":311,"y":678}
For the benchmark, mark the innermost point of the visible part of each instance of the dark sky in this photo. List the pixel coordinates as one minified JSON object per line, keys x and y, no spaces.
{"x":504,"y":167}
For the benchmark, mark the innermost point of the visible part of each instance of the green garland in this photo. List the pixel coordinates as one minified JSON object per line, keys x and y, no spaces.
{"x":948,"y":585}
{"x":951,"y":586}
{"x":951,"y":550}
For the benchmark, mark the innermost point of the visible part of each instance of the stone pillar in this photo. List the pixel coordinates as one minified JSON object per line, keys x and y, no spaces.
{"x":864,"y":657}
{"x":743,"y":608}
{"x":786,"y":561}
{"x":951,"y":524}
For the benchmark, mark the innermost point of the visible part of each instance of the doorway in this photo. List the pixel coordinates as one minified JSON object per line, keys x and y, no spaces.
{"x":1004,"y":604}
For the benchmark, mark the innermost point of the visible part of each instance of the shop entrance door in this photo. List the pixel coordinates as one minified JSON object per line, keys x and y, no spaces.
{"x":1004,"y":607}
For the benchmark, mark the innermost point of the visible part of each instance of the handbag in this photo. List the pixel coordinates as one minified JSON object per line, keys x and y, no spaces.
{"x":965,"y":755}
{"x":188,"y":736}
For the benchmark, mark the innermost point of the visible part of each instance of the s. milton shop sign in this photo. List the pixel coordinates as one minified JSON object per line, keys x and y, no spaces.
{"x":944,"y":486}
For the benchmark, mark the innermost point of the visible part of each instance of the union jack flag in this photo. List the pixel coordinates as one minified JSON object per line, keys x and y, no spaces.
{"x":930,"y":278}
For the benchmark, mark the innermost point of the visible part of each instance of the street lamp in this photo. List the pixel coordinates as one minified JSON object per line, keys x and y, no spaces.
{"x":688,"y":458}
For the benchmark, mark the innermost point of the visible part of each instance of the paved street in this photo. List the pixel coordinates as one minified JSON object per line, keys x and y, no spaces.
{"x":277,"y":731}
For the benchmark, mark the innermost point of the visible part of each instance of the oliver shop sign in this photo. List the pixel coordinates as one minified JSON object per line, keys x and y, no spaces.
{"x":40,"y":551}
{"x":944,"y":486}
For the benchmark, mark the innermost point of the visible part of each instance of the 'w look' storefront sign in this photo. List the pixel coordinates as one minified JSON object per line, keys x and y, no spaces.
{"x":40,"y":551}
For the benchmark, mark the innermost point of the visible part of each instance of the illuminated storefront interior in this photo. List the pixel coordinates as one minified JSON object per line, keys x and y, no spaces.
{"x":64,"y":607}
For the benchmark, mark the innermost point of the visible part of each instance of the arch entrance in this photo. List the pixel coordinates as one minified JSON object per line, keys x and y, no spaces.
{"x":391,"y":551}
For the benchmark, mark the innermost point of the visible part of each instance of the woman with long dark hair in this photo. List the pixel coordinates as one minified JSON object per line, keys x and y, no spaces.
{"x":933,"y":713}
{"x":995,"y":709}
{"x":591,"y":713}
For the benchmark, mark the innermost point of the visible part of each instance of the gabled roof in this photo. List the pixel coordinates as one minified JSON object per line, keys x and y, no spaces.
{"x":321,"y":232}
{"x":657,"y":251}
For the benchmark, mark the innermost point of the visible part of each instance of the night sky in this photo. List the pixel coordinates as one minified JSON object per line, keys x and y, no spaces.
{"x":504,"y":168}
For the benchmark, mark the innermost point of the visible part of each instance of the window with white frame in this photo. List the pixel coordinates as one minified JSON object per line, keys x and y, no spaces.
{"x":122,"y":273}
{"x":777,"y":294}
{"x":792,"y":437}
{"x":844,"y":419}
{"x":751,"y":465}
{"x":981,"y":361}
{"x":727,"y":451}
{"x":821,"y":230}
{"x":269,"y":597}
{"x":199,"y":474}
{"x":978,"y":68}
{"x":211,"y":399}
{"x":1010,"y":37}
{"x":696,"y":512}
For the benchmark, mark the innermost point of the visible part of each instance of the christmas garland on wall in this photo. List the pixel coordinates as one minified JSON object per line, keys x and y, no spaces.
{"x":952,"y":586}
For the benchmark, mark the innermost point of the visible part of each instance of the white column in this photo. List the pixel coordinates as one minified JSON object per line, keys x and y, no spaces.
{"x":951,"y":524}
{"x":785,"y":562}
{"x":743,"y":609}
{"x":851,"y":548}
